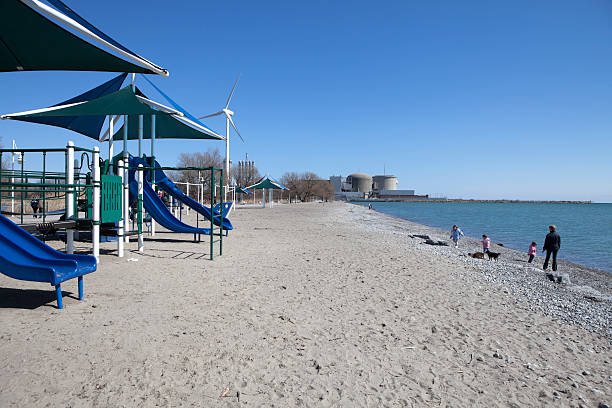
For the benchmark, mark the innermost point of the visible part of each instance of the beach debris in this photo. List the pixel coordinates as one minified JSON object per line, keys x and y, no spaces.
{"x":132,"y":259}
{"x":434,"y":329}
{"x":497,"y":355}
{"x":224,"y":393}
{"x":603,"y":405}
{"x":559,"y":278}
{"x":439,"y":243}
{"x":480,"y":358}
{"x":586,"y":373}
{"x":593,"y":298}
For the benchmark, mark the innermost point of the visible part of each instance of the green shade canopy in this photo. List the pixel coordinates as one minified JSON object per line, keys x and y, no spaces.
{"x":31,"y":42}
{"x":121,"y":102}
{"x":167,"y":127}
{"x":267,"y":182}
{"x":170,"y":123}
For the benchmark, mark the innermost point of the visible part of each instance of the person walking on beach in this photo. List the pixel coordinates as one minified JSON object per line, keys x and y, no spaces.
{"x":552,"y":243}
{"x":532,"y":252}
{"x":486,"y":244}
{"x":456,"y":233}
{"x":35,"y":204}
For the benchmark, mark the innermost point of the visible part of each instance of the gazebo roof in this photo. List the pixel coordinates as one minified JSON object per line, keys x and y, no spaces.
{"x":267,"y":182}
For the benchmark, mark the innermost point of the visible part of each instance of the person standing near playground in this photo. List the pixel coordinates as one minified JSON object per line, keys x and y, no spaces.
{"x":533,"y":251}
{"x":456,"y":233}
{"x":486,"y":244}
{"x":35,"y":204}
{"x":552,"y":244}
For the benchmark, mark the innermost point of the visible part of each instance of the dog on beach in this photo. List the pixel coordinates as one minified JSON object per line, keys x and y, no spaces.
{"x":493,"y":255}
{"x":477,"y":255}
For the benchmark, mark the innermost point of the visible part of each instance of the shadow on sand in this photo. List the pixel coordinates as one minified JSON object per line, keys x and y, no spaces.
{"x":11,"y":298}
{"x":171,"y":254}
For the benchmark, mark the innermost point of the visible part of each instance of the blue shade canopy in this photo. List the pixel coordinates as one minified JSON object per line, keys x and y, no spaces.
{"x":170,"y":126}
{"x":33,"y":37}
{"x":86,"y":125}
{"x":173,"y":103}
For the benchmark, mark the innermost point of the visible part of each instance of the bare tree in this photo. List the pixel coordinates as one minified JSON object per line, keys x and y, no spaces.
{"x":306,"y":185}
{"x":324,"y":190}
{"x":291,"y":181}
{"x":6,"y":158}
{"x":210,"y":158}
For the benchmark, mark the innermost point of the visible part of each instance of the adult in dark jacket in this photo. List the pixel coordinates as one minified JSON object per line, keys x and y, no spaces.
{"x":552,"y":243}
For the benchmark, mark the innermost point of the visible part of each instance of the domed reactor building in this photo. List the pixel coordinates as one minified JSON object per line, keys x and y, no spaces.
{"x":360,"y":186}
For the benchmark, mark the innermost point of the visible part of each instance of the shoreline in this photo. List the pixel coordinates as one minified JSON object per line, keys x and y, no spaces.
{"x":559,"y":260}
{"x":318,"y":304}
{"x":467,"y":200}
{"x":588,"y":297}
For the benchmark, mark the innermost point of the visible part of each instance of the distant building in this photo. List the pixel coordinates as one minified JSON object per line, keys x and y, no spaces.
{"x":361,"y":185}
{"x":384,"y":182}
{"x":336,"y":182}
{"x":360,"y":182}
{"x":400,"y":195}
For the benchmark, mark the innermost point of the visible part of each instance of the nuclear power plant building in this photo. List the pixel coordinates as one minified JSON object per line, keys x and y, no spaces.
{"x":358,"y":186}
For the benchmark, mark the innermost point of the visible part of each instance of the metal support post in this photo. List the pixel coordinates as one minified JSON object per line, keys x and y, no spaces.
{"x":110,"y":141}
{"x":212,"y":213}
{"x":212,"y":203}
{"x":140,"y":211}
{"x":121,"y":220}
{"x":70,"y":195}
{"x":95,"y":232}
{"x":187,"y":209}
{"x":139,"y":136}
{"x":153,"y":166}
{"x":126,"y":191}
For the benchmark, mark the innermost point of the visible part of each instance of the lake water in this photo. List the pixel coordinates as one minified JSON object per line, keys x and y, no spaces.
{"x":585,"y":229}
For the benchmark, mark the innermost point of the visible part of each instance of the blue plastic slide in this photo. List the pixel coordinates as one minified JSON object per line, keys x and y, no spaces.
{"x":162,"y":181}
{"x":24,"y":257}
{"x":158,"y":210}
{"x":226,"y":208}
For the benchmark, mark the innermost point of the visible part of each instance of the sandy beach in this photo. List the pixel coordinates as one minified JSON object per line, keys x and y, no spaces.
{"x":322,"y":304}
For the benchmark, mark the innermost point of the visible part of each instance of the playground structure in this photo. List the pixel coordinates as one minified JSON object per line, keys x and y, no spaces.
{"x":96,"y":198}
{"x":93,"y":200}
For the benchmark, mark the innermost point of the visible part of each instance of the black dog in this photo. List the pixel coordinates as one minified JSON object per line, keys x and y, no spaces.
{"x":493,"y":255}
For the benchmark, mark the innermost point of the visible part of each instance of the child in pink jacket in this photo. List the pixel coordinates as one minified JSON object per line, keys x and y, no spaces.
{"x":532,"y":251}
{"x":486,"y":244}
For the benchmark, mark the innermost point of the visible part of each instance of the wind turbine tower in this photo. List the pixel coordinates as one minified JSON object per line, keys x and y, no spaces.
{"x":228,"y":120}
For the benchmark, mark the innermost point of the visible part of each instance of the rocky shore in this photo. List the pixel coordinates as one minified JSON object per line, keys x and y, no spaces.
{"x":586,"y":300}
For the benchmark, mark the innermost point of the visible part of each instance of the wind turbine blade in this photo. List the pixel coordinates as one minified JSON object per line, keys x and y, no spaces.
{"x":233,"y":89}
{"x":234,"y":126}
{"x":211,"y":115}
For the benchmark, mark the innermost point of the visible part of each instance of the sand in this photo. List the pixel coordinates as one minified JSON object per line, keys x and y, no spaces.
{"x":305,"y":308}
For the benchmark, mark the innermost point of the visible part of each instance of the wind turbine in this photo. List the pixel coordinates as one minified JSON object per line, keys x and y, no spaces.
{"x":228,"y":120}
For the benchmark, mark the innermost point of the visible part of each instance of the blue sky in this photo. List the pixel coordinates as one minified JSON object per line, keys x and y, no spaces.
{"x":472,"y":99}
